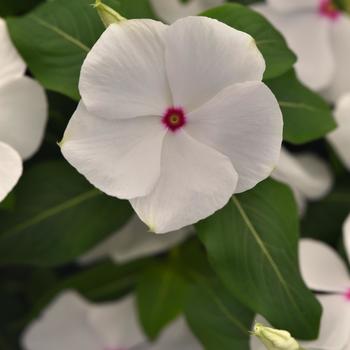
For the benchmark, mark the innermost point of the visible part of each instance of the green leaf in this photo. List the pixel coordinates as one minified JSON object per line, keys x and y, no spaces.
{"x":324,"y":219}
{"x":161,"y":297}
{"x":253,"y":246}
{"x":16,"y":7}
{"x":279,"y":58}
{"x":306,"y":115}
{"x":58,"y":216}
{"x":55,"y":38}
{"x":217,"y":319}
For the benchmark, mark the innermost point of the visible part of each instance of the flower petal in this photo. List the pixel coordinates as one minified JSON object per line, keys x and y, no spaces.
{"x":124,"y":74}
{"x":10,"y":169}
{"x":63,"y":325}
{"x":340,"y":34}
{"x":117,"y":324}
{"x":295,"y":5}
{"x":119,"y":157}
{"x":305,"y":173}
{"x":322,"y":268}
{"x":195,"y":182}
{"x":177,"y":336}
{"x":171,"y":10}
{"x":335,"y":324}
{"x":244,"y":122}
{"x":346,"y":236}
{"x":12,"y":65}
{"x":203,"y":56}
{"x":340,"y":137}
{"x":307,"y":34}
{"x":23,"y":115}
{"x":134,"y":241}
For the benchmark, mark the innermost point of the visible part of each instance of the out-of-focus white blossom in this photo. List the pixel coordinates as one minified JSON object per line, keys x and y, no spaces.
{"x":72,"y":323}
{"x":23,"y":114}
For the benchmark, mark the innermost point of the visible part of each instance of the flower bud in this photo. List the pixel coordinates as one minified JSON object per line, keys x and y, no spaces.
{"x":275,"y":339}
{"x":107,"y":14}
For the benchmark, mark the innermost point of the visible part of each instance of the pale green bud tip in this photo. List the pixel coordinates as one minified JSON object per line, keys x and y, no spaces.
{"x":275,"y":339}
{"x":107,"y":14}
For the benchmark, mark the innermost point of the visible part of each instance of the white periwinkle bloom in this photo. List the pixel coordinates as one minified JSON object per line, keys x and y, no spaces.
{"x":324,"y":271}
{"x":23,"y":114}
{"x":340,"y":137}
{"x":174,"y":118}
{"x":319,"y":35}
{"x":134,"y":241}
{"x":307,"y":175}
{"x":171,"y":10}
{"x":72,"y":323}
{"x":275,"y":339}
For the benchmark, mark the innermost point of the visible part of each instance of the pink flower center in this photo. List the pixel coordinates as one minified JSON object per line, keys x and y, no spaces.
{"x":328,"y":9}
{"x":347,"y":295}
{"x":174,"y":118}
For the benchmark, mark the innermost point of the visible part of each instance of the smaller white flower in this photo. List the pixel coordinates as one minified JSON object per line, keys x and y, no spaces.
{"x":134,"y":241}
{"x":340,"y":137}
{"x":324,"y":271}
{"x":307,"y":175}
{"x":23,"y":114}
{"x":72,"y":323}
{"x":275,"y":339}
{"x":319,"y":35}
{"x":172,"y":10}
{"x":175,"y":118}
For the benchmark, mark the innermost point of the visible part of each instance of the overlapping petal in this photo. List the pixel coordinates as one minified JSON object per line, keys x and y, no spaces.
{"x":172,"y":10}
{"x":244,"y":122}
{"x":23,"y":115}
{"x":12,"y":65}
{"x":124,"y":75}
{"x":203,"y":56}
{"x":346,"y":236}
{"x":134,"y":241}
{"x":305,"y":173}
{"x":116,"y":324}
{"x":340,"y":34}
{"x":120,"y":157}
{"x":195,"y":182}
{"x":308,"y":35}
{"x":10,"y":169}
{"x":63,"y":325}
{"x":340,"y":137}
{"x":321,"y":267}
{"x":294,"y":5}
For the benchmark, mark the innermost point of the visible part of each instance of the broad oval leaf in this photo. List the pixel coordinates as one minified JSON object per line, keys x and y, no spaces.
{"x":279,"y":58}
{"x":306,"y":115}
{"x":161,"y":296}
{"x":253,"y":246}
{"x":218,"y":319}
{"x":57,"y":217}
{"x":55,"y":38}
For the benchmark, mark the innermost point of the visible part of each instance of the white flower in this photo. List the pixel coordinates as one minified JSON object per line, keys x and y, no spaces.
{"x":319,"y":35}
{"x":174,"y":118}
{"x":71,"y":323}
{"x":171,"y":10}
{"x":134,"y":241}
{"x":324,"y":271}
{"x":306,"y":174}
{"x":340,"y":137}
{"x":23,"y":114}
